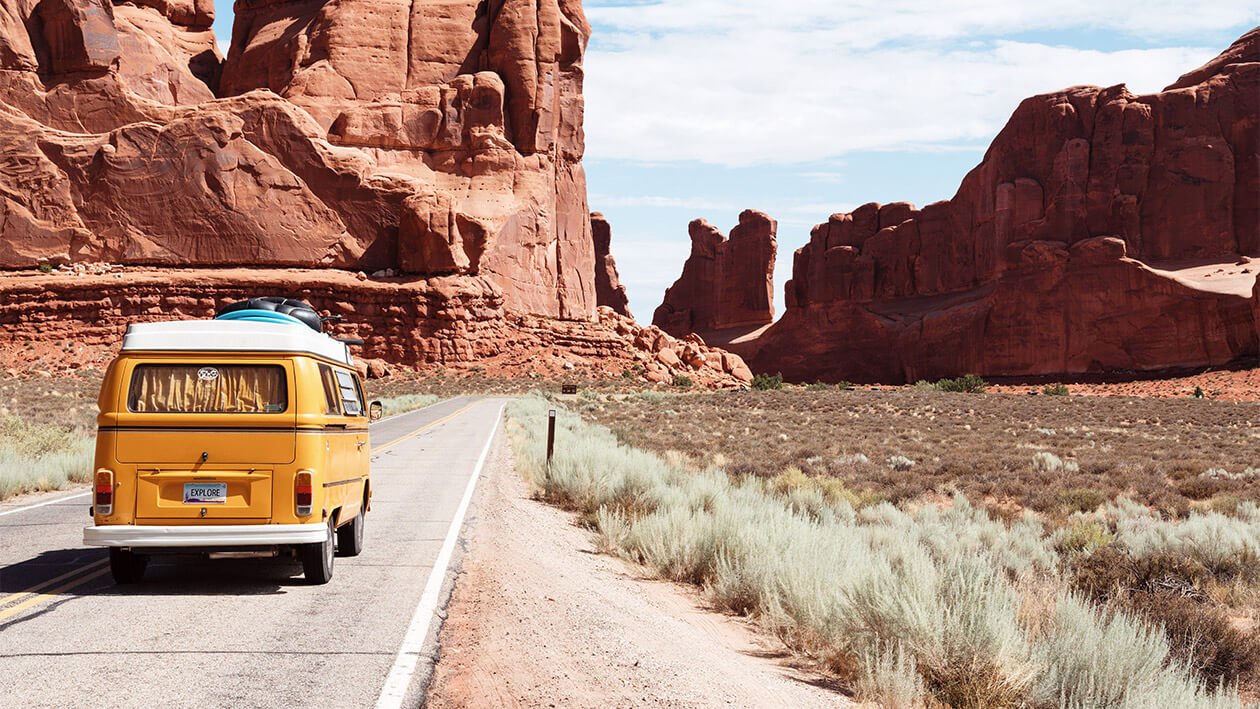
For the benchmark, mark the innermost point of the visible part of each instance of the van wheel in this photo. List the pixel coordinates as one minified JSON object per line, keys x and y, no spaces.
{"x":317,"y":559}
{"x":126,"y":565}
{"x":350,"y":536}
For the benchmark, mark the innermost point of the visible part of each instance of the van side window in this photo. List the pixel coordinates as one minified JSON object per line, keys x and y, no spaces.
{"x":331,"y":394}
{"x":350,"y":402}
{"x":358,"y":385}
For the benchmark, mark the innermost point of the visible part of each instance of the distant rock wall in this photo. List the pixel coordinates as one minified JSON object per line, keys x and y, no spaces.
{"x":724,"y":283}
{"x":608,"y":289}
{"x":1102,"y":231}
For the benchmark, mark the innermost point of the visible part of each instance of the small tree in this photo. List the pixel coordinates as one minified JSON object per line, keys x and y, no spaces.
{"x":968,"y":383}
{"x":1055,"y":389}
{"x":764,"y":382}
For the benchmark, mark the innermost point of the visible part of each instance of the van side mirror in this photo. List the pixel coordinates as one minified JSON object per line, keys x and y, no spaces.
{"x":376,"y":410}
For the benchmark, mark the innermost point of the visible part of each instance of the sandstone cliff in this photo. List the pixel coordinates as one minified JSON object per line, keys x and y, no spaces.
{"x":1102,"y":231}
{"x":608,"y":288}
{"x":434,"y":144}
{"x":724,"y":283}
{"x":428,"y":138}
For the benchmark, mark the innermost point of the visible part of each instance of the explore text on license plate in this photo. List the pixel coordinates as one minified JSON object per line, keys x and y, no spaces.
{"x":205,"y":493}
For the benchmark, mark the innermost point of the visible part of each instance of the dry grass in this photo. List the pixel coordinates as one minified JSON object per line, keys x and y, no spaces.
{"x":1056,"y":455}
{"x":47,"y":431}
{"x":914,"y":606}
{"x":40,"y":457}
{"x":66,"y":401}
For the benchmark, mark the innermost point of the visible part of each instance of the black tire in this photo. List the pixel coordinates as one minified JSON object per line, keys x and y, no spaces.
{"x":317,"y":559}
{"x":286,"y":306}
{"x":350,"y":536}
{"x":126,"y":565}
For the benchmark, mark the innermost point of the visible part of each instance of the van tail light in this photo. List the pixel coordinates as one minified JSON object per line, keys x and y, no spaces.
{"x":103,"y":500}
{"x":303,"y":493}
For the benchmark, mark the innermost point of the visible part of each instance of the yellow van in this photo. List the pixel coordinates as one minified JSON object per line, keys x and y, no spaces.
{"x":245,"y":435}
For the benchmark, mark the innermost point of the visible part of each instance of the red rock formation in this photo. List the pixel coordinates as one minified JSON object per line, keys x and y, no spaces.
{"x":432,"y":138}
{"x":439,"y":139}
{"x":608,"y":288}
{"x":724,"y":284}
{"x":1102,"y":231}
{"x":447,"y":320}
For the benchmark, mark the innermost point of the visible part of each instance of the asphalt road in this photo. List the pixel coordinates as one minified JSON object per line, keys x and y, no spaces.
{"x":246,"y":632}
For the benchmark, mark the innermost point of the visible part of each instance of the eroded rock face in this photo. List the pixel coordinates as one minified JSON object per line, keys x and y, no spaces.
{"x":448,"y":320}
{"x":1102,"y":231}
{"x":436,"y":138}
{"x":608,"y":289}
{"x":724,"y":283}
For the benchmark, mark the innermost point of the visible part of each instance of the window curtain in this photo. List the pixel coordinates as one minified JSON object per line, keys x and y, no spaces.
{"x":201,"y":388}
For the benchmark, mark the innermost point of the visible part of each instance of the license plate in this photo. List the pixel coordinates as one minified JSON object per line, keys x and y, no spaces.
{"x":205,"y":493}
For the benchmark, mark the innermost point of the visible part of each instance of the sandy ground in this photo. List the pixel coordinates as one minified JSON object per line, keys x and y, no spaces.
{"x":1235,"y":384}
{"x":539,"y":619}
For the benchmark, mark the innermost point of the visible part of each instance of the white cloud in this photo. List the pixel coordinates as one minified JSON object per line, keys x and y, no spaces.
{"x":604,"y":201}
{"x":745,"y":82}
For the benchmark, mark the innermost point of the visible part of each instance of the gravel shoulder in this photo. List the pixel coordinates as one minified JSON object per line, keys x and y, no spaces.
{"x":538,"y":618}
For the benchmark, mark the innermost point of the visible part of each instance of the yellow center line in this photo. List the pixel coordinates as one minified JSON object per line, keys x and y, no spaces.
{"x":49,"y":582}
{"x":422,"y":429}
{"x":50,"y":594}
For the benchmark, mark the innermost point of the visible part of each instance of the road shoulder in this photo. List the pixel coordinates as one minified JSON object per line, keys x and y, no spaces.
{"x":538,"y":618}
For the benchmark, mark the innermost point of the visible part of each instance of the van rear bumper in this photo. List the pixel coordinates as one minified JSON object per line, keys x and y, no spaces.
{"x":130,"y":535}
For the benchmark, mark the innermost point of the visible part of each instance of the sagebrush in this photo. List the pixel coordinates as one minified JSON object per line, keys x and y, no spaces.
{"x":931,"y":606}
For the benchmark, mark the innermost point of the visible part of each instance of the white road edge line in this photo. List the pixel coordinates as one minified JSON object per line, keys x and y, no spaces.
{"x":46,"y":502}
{"x":399,"y":679}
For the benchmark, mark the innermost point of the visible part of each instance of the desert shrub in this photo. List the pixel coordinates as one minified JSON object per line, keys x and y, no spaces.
{"x":1229,"y":547}
{"x":1201,"y":487}
{"x":838,"y":585}
{"x":789,"y":481}
{"x":1200,"y":635}
{"x":766,"y":382}
{"x":843,"y":385}
{"x":1056,"y":389}
{"x":1081,"y":499}
{"x":899,"y":463}
{"x":890,"y":679}
{"x":1198,"y":392}
{"x":968,"y":383}
{"x":42,"y":457}
{"x":1046,"y":462}
{"x":682,"y":381}
{"x":818,"y":386}
{"x":1083,"y":535}
{"x":407,"y":402}
{"x":651,"y":395}
{"x":1164,"y":590}
{"x":45,"y":268}
{"x":1093,"y":658}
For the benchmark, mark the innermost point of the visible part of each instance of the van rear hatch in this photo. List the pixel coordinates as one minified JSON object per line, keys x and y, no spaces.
{"x":205,"y":436}
{"x":203,"y":494}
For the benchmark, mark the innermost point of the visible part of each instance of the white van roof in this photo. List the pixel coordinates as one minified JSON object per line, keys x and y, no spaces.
{"x":232,"y":336}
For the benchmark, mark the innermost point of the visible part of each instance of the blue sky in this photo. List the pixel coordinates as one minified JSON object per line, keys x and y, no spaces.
{"x":802,"y":108}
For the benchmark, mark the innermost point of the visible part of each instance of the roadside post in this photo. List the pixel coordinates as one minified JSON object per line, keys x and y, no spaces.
{"x":551,"y":435}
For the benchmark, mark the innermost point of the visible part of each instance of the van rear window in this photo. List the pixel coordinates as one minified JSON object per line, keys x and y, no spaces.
{"x":208,"y":389}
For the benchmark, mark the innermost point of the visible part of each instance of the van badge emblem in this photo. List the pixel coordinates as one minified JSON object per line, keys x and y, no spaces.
{"x":207,"y":374}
